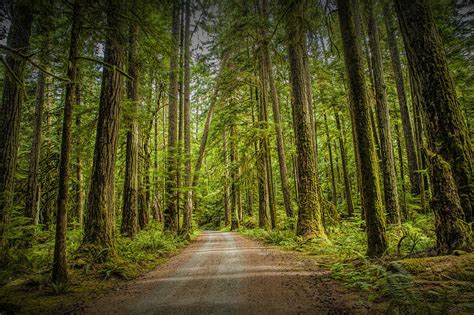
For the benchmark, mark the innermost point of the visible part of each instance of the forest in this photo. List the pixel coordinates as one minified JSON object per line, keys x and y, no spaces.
{"x":236,"y":157}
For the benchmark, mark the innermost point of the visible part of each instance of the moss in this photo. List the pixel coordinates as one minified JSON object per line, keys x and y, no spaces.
{"x":441,"y":267}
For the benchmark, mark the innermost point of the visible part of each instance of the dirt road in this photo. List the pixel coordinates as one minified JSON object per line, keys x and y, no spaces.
{"x":225,"y":273}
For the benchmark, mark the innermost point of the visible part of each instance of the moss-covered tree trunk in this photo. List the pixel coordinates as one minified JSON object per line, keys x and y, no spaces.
{"x":234,"y":215}
{"x":345,"y":171}
{"x":309,"y":214}
{"x":227,"y":192}
{"x":188,"y":205}
{"x":170,"y":212}
{"x":331,"y":163}
{"x":12,"y":100}
{"x":447,"y":135}
{"x":99,"y":227}
{"x":59,"y":263}
{"x":79,"y":172}
{"x":32,"y":196}
{"x":130,"y":185}
{"x":413,"y":168}
{"x":371,"y":196}
{"x":266,"y":63}
{"x":387,"y":163}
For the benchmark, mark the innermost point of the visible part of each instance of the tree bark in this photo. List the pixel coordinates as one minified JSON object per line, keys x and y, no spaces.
{"x":171,"y":184}
{"x":331,"y":163}
{"x":309,"y":214}
{"x":266,"y":63}
{"x":12,"y":100}
{"x":130,"y":185}
{"x":413,"y":167}
{"x":234,"y":216}
{"x":371,"y":197}
{"x":32,"y":197}
{"x":387,"y":163}
{"x":447,"y":133}
{"x":345,"y":171}
{"x":99,"y":228}
{"x":59,"y":262}
{"x":188,"y":203}
{"x":227,"y":193}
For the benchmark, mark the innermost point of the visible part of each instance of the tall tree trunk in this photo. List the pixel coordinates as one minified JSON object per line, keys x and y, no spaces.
{"x":371,"y":197}
{"x":99,"y":228}
{"x":130,"y":185}
{"x":79,"y":175}
{"x":392,"y":206}
{"x":59,"y":262}
{"x":266,"y":64}
{"x":420,"y":146}
{"x":309,"y":214}
{"x":207,"y":125}
{"x":32,"y":197}
{"x":227,"y":193}
{"x":345,"y":171}
{"x":402,"y":172}
{"x":171,"y":202}
{"x":188,"y":203}
{"x":413,"y":167}
{"x":447,"y":134}
{"x":331,"y":163}
{"x":12,"y":100}
{"x":234,"y":216}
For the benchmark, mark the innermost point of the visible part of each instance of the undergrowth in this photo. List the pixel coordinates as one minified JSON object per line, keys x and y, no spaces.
{"x":384,"y":280}
{"x":26,"y":286}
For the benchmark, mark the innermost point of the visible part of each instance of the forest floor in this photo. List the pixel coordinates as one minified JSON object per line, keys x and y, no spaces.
{"x":225,"y":273}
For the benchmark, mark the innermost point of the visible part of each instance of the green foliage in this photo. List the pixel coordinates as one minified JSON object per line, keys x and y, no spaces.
{"x":26,"y":280}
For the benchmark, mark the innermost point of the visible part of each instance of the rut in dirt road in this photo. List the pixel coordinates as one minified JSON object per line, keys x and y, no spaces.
{"x":225,"y":273}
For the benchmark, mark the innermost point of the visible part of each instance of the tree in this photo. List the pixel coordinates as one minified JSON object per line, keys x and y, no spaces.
{"x":266,"y":65}
{"x":447,"y":136}
{"x":171,"y":207}
{"x":59,"y":263}
{"x":387,"y":163}
{"x":130,"y":185}
{"x":12,"y":100}
{"x":188,"y":202}
{"x":99,"y":226}
{"x":345,"y":171}
{"x":413,"y":167}
{"x":371,"y":198}
{"x":309,"y":213}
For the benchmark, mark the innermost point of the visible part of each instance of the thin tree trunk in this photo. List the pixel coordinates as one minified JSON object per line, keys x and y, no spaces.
{"x":59,"y":262}
{"x":99,"y":228}
{"x":207,"y":125}
{"x":387,"y":163}
{"x":234,"y":216}
{"x":32,"y":197}
{"x":130,"y":185}
{"x":188,"y":203}
{"x":345,"y":171}
{"x":309,"y":214}
{"x":413,"y":167}
{"x":227,"y":193}
{"x":331,"y":163}
{"x":402,"y":172}
{"x":371,"y":196}
{"x":266,"y":63}
{"x":171,"y":185}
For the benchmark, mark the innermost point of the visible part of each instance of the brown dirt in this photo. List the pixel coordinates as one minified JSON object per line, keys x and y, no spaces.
{"x":225,"y":273}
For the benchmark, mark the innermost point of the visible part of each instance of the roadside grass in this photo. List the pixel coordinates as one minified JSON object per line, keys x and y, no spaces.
{"x":25,"y":283}
{"x":405,"y":280}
